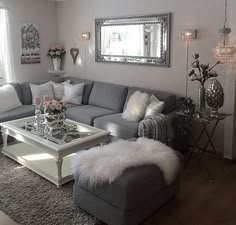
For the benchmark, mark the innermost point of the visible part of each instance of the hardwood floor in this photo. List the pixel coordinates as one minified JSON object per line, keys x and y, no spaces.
{"x":200,"y":202}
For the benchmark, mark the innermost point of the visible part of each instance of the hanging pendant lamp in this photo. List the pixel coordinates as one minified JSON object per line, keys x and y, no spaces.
{"x":224,"y":52}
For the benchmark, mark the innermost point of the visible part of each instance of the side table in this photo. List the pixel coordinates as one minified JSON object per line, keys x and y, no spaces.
{"x":206,"y":122}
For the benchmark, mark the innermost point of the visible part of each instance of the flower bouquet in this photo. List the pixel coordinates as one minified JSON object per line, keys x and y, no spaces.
{"x":54,"y":113}
{"x":56,"y":53}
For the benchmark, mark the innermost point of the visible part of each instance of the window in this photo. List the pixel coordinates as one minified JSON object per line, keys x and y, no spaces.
{"x":6,"y":58}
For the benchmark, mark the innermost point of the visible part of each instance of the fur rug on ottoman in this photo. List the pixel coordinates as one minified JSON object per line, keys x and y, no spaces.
{"x":105,"y":164}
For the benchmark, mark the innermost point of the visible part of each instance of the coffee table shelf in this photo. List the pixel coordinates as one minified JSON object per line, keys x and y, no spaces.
{"x":46,"y":158}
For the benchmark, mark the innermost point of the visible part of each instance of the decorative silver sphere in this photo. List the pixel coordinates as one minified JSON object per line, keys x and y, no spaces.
{"x":215,"y":96}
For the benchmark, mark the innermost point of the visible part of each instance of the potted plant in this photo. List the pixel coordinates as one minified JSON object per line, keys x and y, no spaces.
{"x":182,"y":123}
{"x":57,"y":53}
{"x":201,"y":73}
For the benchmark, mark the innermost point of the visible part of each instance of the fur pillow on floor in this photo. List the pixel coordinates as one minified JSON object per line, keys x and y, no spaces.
{"x":136,"y":106}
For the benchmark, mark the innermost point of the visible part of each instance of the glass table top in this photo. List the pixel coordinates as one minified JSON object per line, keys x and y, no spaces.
{"x":71,"y":131}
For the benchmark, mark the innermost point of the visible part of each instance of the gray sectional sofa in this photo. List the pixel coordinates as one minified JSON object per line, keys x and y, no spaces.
{"x":102,"y":105}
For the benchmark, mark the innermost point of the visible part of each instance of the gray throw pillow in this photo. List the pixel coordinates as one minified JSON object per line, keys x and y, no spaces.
{"x":58,"y":89}
{"x":155,"y":107}
{"x":41,"y":91}
{"x":73,"y":94}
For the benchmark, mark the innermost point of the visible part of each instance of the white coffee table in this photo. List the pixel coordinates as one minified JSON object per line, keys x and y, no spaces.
{"x":48,"y":157}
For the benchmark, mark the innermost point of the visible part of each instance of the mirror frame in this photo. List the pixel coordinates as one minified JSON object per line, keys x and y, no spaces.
{"x":164,"y":18}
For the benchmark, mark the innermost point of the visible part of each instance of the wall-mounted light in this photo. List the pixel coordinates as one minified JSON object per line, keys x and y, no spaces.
{"x":187,"y":34}
{"x":85,"y":36}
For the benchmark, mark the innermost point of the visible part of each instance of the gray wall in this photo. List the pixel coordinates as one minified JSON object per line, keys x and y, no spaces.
{"x":75,"y":16}
{"x":43,"y":13}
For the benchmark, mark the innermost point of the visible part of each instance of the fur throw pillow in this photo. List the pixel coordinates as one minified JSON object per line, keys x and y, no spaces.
{"x":136,"y":106}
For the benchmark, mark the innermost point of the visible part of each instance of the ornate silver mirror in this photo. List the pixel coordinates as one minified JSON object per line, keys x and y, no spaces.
{"x":134,"y":39}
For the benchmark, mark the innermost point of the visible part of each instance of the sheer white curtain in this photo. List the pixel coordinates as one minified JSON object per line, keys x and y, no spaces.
{"x":6,"y":57}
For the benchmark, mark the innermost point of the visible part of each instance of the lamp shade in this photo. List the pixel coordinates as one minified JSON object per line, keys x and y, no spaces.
{"x":85,"y":36}
{"x":187,"y":34}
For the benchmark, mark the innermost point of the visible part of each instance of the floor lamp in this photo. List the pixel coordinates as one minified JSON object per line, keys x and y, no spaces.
{"x":187,"y":35}
{"x":85,"y":36}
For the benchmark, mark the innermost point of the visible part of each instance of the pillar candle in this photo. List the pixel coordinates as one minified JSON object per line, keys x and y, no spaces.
{"x":37,"y":100}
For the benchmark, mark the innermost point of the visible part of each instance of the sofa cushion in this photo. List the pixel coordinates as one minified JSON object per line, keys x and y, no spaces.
{"x":168,"y":98}
{"x":26,"y":91}
{"x":109,"y":96}
{"x":87,"y":87}
{"x":86,"y":113}
{"x":117,"y":126}
{"x":18,"y":113}
{"x":18,"y":91}
{"x":133,"y":188}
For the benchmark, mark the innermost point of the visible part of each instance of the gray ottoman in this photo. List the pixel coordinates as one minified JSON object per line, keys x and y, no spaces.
{"x":137,"y":194}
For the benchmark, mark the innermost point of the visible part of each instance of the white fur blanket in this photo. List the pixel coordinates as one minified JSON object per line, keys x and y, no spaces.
{"x":105,"y":164}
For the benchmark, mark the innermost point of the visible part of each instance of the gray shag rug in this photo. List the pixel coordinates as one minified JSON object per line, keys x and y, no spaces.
{"x":31,"y":200}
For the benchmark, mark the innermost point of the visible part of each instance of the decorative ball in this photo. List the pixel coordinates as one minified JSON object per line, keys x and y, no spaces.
{"x":215,"y":95}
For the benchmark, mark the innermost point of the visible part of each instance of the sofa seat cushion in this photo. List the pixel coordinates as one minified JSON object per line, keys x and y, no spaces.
{"x":86,"y":113}
{"x":118,"y":126}
{"x":132,"y":189}
{"x":109,"y":96}
{"x":18,"y":113}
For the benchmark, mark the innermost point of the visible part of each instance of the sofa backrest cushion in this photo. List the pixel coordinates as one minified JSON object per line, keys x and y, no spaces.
{"x":168,"y":98}
{"x":18,"y":91}
{"x":109,"y":96}
{"x":26,"y":91}
{"x":87,"y":87}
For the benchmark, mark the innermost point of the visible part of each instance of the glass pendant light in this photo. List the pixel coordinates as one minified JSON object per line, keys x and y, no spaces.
{"x":223,"y":52}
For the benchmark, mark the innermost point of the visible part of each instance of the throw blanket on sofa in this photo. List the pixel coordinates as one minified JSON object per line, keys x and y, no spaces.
{"x":154,"y":127}
{"x":105,"y":164}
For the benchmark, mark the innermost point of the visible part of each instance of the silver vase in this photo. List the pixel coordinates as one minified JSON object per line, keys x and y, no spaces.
{"x":202,"y":101}
{"x":215,"y":96}
{"x":54,"y":123}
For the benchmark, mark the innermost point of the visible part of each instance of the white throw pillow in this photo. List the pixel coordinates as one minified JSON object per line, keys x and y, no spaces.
{"x":73,"y":94}
{"x":8,"y":98}
{"x":155,"y":107}
{"x":41,"y":91}
{"x":58,"y":89}
{"x":136,"y":106}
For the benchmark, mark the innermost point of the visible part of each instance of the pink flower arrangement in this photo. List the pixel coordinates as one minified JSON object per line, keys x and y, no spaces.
{"x":56,"y":51}
{"x":54,"y":106}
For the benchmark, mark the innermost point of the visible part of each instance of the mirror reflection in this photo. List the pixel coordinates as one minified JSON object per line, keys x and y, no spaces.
{"x":133,"y":40}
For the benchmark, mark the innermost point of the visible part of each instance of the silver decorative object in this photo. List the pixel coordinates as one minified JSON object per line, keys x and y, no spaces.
{"x":74,"y":54}
{"x":38,"y":118}
{"x":54,"y":123}
{"x":201,"y":98}
{"x":215,"y":96}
